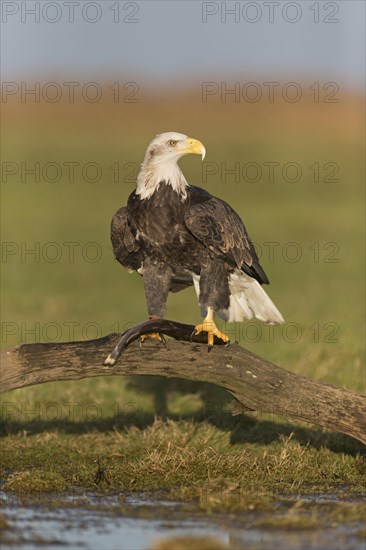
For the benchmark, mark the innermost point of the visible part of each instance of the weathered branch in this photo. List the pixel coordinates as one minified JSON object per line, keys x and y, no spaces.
{"x":256,"y":383}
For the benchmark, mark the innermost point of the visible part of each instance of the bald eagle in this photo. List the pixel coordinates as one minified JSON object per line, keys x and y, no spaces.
{"x":176,"y":235}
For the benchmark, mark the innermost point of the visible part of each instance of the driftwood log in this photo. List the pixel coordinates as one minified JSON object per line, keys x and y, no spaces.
{"x":256,"y":383}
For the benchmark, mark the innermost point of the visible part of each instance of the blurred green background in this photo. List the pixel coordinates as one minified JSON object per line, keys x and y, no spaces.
{"x":61,"y":297}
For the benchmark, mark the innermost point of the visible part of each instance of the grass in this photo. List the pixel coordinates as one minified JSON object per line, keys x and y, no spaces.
{"x":160,"y":458}
{"x":56,"y":437}
{"x":140,"y":453}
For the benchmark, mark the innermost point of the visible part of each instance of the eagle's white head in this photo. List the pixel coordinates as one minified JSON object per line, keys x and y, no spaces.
{"x":160,"y":163}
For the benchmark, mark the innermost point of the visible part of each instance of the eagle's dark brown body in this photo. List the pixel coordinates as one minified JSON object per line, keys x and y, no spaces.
{"x":167,"y":238}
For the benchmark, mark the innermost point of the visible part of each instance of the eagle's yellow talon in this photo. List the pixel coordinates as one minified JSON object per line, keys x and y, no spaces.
{"x":208,"y":325}
{"x":153,"y":335}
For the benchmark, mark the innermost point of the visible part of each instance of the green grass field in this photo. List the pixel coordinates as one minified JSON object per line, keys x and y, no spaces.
{"x":310,"y":239}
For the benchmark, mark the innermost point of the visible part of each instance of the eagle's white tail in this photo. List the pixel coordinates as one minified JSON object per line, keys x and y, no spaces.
{"x":247,"y":300}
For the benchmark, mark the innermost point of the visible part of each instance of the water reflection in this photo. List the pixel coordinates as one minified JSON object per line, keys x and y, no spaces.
{"x":100,"y":522}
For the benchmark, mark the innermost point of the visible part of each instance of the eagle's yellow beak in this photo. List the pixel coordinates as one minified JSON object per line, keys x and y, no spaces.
{"x":195,"y":147}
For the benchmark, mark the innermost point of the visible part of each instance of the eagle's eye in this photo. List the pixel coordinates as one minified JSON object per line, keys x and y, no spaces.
{"x":172,"y":142}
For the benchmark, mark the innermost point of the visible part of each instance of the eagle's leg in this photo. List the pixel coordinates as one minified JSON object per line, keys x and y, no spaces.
{"x":214,"y":295}
{"x":157,"y":280}
{"x":208,"y":325}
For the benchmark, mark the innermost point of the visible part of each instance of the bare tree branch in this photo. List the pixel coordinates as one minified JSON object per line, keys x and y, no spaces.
{"x":256,"y":383}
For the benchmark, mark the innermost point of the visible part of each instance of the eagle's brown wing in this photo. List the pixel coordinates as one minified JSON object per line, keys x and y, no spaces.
{"x":128,"y":253}
{"x":125,"y":247}
{"x":221,"y":230}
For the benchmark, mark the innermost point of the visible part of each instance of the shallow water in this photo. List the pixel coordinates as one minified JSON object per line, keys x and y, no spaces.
{"x":100,"y":522}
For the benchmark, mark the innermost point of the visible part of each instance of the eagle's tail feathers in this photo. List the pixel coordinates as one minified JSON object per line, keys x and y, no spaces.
{"x":247,"y":300}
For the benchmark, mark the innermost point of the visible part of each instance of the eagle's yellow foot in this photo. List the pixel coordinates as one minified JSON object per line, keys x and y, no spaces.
{"x":208,"y":325}
{"x":153,"y":335}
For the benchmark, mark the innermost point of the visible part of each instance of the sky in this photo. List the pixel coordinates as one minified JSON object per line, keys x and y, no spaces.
{"x":165,"y":42}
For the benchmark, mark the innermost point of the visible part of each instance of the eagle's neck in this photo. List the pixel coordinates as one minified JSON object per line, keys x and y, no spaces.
{"x":154,"y":172}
